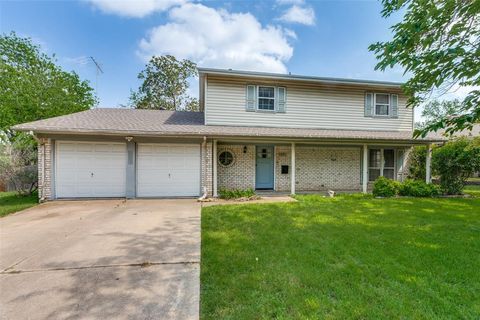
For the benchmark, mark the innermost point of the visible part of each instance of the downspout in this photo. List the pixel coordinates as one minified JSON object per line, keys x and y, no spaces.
{"x":42,"y":144}
{"x":205,"y":191}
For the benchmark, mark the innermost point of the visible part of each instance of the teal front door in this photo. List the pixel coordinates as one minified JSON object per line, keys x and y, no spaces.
{"x":264,"y":167}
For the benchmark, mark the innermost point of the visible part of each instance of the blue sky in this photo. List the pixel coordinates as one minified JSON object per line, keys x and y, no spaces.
{"x":322,"y":38}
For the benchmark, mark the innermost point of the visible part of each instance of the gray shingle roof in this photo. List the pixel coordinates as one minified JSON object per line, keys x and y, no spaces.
{"x":179,"y":123}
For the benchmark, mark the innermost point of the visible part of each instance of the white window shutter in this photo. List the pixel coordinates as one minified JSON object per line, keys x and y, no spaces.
{"x":251,"y":98}
{"x":368,"y":104}
{"x":394,"y":105}
{"x":282,"y":99}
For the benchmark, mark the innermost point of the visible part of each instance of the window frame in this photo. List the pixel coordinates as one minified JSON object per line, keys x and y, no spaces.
{"x":258,"y":99}
{"x":389,"y":105}
{"x":382,"y":163}
{"x":226,"y":165}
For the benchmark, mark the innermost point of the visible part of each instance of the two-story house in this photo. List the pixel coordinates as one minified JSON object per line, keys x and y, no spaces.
{"x":255,"y":130}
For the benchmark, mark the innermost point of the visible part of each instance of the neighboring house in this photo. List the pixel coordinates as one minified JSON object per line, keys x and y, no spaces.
{"x":467,"y":133}
{"x":255,"y":130}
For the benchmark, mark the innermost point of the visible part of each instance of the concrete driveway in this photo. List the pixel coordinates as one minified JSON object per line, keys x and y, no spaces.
{"x":101,"y":259}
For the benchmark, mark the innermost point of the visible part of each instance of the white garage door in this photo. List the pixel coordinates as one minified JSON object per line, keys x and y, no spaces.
{"x":167,"y":170}
{"x":90,"y":169}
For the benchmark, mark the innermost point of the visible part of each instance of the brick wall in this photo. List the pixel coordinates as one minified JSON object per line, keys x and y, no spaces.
{"x":321,"y":168}
{"x":318,"y":168}
{"x":241,"y":174}
{"x":45,"y":183}
{"x":283,"y":156}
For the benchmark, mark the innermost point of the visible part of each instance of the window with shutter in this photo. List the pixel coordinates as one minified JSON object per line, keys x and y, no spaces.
{"x":251,"y":98}
{"x":368,"y":104}
{"x":282,"y":100}
{"x":266,"y":98}
{"x":394,"y":105}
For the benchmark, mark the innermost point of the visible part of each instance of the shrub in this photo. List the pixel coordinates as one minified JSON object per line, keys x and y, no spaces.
{"x":17,"y":166}
{"x":236,"y":193}
{"x":418,"y":188}
{"x":384,"y":187}
{"x":417,"y":161}
{"x":455,"y":162}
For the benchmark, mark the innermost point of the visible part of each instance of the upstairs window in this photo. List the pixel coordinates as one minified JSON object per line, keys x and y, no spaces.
{"x":382,"y":104}
{"x":266,"y":98}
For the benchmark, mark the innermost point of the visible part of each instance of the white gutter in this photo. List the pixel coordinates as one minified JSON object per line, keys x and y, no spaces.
{"x":204,"y":170}
{"x":290,"y":77}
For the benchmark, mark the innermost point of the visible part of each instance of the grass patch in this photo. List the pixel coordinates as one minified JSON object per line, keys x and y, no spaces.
{"x":11,"y":202}
{"x":473,"y":190}
{"x":349,"y":257}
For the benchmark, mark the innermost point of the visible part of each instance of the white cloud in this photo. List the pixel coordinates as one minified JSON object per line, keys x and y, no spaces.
{"x":217,"y":38}
{"x":134,"y":8}
{"x":298,"y":14}
{"x":281,"y":2}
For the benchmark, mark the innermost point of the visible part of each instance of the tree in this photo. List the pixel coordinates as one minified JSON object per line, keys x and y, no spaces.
{"x":165,"y":84}
{"x":437,"y":110}
{"x":439,"y":43}
{"x":33,"y":87}
{"x":455,"y":162}
{"x":417,"y":163}
{"x":18,"y":165}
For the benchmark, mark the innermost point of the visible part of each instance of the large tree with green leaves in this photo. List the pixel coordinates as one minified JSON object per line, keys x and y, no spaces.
{"x":438,"y":42}
{"x":436,"y":110}
{"x":33,"y":87}
{"x":165,"y":84}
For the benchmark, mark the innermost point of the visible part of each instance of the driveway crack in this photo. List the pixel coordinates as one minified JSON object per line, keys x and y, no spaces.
{"x":145,"y":264}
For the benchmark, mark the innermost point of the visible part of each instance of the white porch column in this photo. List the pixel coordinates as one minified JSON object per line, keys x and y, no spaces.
{"x":428,"y":164}
{"x":365,"y":169}
{"x":214,"y":163}
{"x":292,"y":172}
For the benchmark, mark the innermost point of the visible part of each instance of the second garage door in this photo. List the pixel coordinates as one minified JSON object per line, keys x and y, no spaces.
{"x":168,"y":170}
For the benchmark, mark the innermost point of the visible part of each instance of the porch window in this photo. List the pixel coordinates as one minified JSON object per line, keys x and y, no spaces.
{"x":382,"y":104}
{"x":225,"y":158}
{"x":374,"y":166}
{"x":264,"y":153}
{"x":266,"y":98}
{"x":381,"y":162}
{"x":389,"y":163}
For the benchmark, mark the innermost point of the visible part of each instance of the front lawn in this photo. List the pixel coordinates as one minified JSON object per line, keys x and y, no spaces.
{"x":350,"y":257}
{"x":473,"y":190}
{"x":10,"y":202}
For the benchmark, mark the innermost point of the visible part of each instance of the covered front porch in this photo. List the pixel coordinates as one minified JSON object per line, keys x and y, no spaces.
{"x":304,"y":166}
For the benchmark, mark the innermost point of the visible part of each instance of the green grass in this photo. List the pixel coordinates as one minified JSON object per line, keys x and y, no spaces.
{"x":473,"y":190}
{"x":350,"y":257}
{"x":10,"y":202}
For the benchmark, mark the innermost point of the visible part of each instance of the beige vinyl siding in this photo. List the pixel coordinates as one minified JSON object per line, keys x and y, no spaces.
{"x":308,"y":106}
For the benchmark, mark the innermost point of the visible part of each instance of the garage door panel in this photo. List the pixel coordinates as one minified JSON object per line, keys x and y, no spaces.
{"x":76,"y":161}
{"x":168,"y":170}
{"x":84,"y":147}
